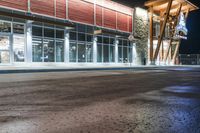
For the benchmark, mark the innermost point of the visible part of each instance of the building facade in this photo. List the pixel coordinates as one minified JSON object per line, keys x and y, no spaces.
{"x":82,"y":33}
{"x":65,"y":32}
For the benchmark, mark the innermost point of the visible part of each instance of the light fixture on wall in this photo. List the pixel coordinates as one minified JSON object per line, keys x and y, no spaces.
{"x":133,"y":38}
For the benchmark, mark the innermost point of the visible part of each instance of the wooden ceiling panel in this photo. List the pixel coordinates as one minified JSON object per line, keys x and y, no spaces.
{"x":161,"y":5}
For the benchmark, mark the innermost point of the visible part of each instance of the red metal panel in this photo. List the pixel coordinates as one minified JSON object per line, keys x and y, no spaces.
{"x":99,"y":11}
{"x":109,"y":18}
{"x":17,"y":4}
{"x":43,"y":7}
{"x":61,"y":8}
{"x":81,"y":11}
{"x":122,"y":21}
{"x":130,"y":23}
{"x":110,"y":4}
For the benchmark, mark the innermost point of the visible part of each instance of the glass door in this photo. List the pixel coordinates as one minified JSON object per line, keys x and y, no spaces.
{"x":4,"y":49}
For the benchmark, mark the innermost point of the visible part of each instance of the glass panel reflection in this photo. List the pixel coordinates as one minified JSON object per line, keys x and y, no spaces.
{"x":48,"y":32}
{"x":18,"y":48}
{"x":89,"y":52}
{"x":99,"y":53}
{"x":106,"y":53}
{"x":60,"y":34}
{"x":4,"y":43}
{"x":112,"y":53}
{"x":72,"y":52}
{"x":60,"y":51}
{"x":48,"y":51}
{"x":125,"y":54}
{"x":4,"y":57}
{"x":120,"y":59}
{"x":5,"y":27}
{"x":81,"y":52}
{"x":36,"y":31}
{"x":37,"y":50}
{"x":18,"y":28}
{"x":130,"y":55}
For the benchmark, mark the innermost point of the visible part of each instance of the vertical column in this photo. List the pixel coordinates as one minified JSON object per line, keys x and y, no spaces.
{"x":29,"y":6}
{"x":95,"y":49}
{"x":134,"y":54}
{"x":162,"y":59}
{"x":95,"y":12}
{"x":55,"y":8}
{"x":29,"y":41}
{"x":151,"y":36}
{"x":11,"y":48}
{"x":116,"y":50}
{"x":66,"y":47}
{"x":67,"y":9}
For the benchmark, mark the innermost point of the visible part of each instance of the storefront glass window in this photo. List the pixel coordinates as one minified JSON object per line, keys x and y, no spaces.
{"x":112,"y":41}
{"x":48,"y":46}
{"x":130,"y":55}
{"x":37,"y":49}
{"x":99,"y":53}
{"x":89,"y":38}
{"x":59,"y":51}
{"x":99,"y":39}
{"x":90,"y":29}
{"x":18,"y":28}
{"x":73,"y":52}
{"x":81,"y":37}
{"x":4,"y":57}
{"x":36,"y":31}
{"x":4,"y":49}
{"x":89,"y":51}
{"x":48,"y":32}
{"x":81,"y":52}
{"x":125,"y":55}
{"x":106,"y":40}
{"x":112,"y":53}
{"x":120,"y":42}
{"x":4,"y":43}
{"x":106,"y":53}
{"x":60,"y":34}
{"x":81,"y":28}
{"x":72,"y":36}
{"x":5,"y":27}
{"x":19,"y":48}
{"x":52,"y":40}
{"x":120,"y":58}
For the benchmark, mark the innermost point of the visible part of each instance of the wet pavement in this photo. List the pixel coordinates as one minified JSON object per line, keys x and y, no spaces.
{"x":163,"y":100}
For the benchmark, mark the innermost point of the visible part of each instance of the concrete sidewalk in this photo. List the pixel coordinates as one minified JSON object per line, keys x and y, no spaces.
{"x":32,"y":69}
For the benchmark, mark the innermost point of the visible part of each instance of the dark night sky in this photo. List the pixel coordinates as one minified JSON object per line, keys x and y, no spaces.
{"x":192,"y":44}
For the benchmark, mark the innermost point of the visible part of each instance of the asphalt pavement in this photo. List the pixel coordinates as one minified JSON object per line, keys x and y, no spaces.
{"x":154,"y":100}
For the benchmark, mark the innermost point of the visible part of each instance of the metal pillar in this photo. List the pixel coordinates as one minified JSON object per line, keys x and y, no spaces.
{"x":116,"y":50}
{"x":66,"y":47}
{"x":95,"y":49}
{"x":29,"y":41}
{"x":134,"y":54}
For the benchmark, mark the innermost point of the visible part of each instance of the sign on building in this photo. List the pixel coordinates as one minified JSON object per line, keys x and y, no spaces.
{"x":181,"y":30}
